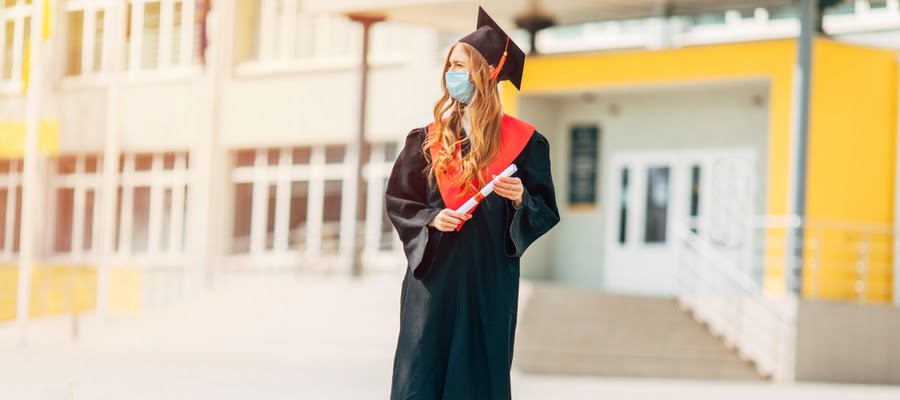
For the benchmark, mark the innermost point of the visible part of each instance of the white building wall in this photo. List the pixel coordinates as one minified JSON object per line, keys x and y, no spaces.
{"x":322,"y":107}
{"x":81,"y":112}
{"x":885,"y":39}
{"x":538,"y":260}
{"x":157,"y":117}
{"x":312,"y":108}
{"x":401,"y":99}
{"x":12,"y":107}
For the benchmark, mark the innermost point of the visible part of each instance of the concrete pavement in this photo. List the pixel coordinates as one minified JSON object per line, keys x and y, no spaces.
{"x":290,"y":337}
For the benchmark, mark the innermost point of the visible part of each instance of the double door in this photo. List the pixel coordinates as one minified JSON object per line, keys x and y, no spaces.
{"x":655,"y":194}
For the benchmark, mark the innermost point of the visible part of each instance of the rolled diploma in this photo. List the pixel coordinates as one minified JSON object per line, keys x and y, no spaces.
{"x":486,"y":190}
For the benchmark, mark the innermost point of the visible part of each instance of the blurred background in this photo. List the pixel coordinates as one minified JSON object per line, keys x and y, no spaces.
{"x":191,"y":195}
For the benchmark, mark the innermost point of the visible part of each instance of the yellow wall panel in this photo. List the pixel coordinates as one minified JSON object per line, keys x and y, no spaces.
{"x":63,"y":289}
{"x":125,"y":290}
{"x":12,"y":138}
{"x":8,"y":285}
{"x":852,"y":132}
{"x":853,"y":128}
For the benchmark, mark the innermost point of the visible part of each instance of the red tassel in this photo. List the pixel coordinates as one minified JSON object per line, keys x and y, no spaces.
{"x":499,"y":67}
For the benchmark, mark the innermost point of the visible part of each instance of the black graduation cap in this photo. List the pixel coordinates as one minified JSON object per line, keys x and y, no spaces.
{"x":492,"y":43}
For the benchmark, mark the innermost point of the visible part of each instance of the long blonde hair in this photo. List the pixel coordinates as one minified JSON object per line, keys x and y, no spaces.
{"x":486,"y":114}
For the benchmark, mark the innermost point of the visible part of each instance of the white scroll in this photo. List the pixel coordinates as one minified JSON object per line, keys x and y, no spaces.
{"x":486,"y":190}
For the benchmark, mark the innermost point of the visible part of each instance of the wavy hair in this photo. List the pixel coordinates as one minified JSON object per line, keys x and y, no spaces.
{"x":486,"y":114}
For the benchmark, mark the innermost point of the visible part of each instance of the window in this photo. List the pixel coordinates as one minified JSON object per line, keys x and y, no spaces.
{"x":89,"y":35}
{"x":842,"y":8}
{"x":149,"y":34}
{"x":694,"y":212}
{"x":874,"y":4}
{"x":75,"y":27}
{"x":15,"y":28}
{"x":74,"y":190}
{"x":272,"y":199}
{"x":331,"y":216}
{"x":623,"y":207}
{"x":281,"y":31}
{"x":162,"y":34}
{"x":289,"y":203}
{"x":243,"y":201}
{"x":657,"y":207}
{"x":152,"y":205}
{"x":298,"y":218}
{"x":10,"y":207}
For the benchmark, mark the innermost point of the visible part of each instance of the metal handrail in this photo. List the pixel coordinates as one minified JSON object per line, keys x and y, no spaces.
{"x":723,"y":297}
{"x":746,"y":283}
{"x":861,"y":250}
{"x":718,"y":284}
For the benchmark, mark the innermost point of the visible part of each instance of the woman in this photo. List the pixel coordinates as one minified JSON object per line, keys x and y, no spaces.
{"x":460,"y":293}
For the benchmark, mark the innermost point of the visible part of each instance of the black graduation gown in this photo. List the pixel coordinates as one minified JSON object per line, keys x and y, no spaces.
{"x":460,"y":293}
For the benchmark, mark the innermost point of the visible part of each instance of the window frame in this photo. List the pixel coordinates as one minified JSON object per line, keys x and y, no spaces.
{"x":158,"y":180}
{"x":80,"y":181}
{"x":89,"y":37}
{"x":281,"y":33}
{"x":12,"y":182}
{"x":18,"y":14}
{"x":167,"y":66}
{"x":282,"y":175}
{"x":167,"y":36}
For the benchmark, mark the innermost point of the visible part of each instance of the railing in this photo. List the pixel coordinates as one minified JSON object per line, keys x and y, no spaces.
{"x":843,"y":260}
{"x":733,"y":306}
{"x":732,"y":277}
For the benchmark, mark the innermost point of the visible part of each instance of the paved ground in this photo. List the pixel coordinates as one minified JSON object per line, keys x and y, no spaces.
{"x":290,"y":338}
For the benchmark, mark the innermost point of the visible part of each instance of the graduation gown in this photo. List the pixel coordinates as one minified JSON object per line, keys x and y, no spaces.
{"x":459,"y":297}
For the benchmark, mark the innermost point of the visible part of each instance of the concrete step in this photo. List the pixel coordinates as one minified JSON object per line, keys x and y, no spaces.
{"x":688,"y":333}
{"x":565,"y":330}
{"x":633,"y":366}
{"x":600,"y":349}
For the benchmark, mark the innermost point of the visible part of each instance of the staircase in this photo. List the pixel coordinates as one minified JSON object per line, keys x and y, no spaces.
{"x":572,"y":331}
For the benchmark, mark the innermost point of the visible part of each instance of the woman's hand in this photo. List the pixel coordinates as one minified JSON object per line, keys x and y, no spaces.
{"x":510,"y":188}
{"x":447,"y":220}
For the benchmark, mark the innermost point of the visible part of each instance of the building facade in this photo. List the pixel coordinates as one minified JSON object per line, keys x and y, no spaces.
{"x":280,"y":90}
{"x":243,"y":160}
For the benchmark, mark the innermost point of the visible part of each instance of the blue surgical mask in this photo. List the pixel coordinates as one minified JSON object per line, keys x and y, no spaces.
{"x":459,"y":86}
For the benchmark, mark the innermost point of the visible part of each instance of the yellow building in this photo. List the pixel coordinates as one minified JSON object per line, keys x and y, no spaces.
{"x":727,"y":98}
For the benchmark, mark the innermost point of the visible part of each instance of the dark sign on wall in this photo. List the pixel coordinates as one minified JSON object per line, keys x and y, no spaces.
{"x":583,"y":161}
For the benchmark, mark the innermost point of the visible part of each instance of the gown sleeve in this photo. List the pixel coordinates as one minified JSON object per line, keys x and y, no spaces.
{"x":538,"y":212}
{"x":406,"y":203}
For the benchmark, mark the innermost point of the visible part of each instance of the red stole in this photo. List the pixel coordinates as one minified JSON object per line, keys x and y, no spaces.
{"x":514,"y":135}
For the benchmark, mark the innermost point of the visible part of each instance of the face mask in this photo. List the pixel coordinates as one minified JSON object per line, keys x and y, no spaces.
{"x":459,"y":86}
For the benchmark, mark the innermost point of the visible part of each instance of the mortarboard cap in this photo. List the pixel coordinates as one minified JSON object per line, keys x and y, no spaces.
{"x":492,"y":43}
